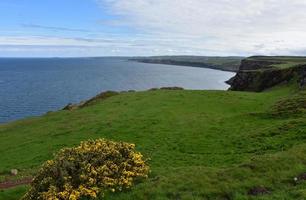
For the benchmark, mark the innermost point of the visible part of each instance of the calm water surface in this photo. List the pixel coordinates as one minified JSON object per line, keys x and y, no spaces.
{"x":31,"y":87}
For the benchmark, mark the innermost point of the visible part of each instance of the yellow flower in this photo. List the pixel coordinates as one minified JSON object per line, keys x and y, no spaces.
{"x":103,"y":165}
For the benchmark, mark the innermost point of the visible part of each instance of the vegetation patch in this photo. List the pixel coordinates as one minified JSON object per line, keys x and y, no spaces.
{"x":99,"y":97}
{"x":291,"y":105}
{"x":89,"y":170}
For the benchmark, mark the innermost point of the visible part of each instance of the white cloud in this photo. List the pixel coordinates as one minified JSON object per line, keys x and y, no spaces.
{"x":159,"y":27}
{"x":218,"y":27}
{"x":112,"y":45}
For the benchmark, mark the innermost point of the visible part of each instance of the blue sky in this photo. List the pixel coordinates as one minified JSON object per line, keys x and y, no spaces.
{"x":51,"y":27}
{"x":47,"y":28}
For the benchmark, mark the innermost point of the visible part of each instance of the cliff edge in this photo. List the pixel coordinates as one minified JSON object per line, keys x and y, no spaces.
{"x":262,"y":72}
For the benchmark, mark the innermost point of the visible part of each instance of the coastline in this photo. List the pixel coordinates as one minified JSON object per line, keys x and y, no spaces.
{"x":188,"y":63}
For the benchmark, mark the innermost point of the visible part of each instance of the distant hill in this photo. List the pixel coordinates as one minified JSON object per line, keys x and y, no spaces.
{"x":221,"y":63}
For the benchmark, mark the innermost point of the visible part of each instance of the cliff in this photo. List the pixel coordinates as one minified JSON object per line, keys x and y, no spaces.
{"x":257,"y":74}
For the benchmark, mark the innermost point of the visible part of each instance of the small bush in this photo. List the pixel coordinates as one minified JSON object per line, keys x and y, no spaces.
{"x":88,"y":171}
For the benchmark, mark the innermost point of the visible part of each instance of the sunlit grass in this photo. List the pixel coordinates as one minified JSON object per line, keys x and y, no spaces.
{"x":202,"y":144}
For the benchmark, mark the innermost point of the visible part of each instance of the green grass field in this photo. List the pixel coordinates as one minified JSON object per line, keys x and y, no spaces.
{"x":202,"y":144}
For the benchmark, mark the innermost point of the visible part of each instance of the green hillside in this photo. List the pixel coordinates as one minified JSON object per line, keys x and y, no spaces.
{"x":202,"y":144}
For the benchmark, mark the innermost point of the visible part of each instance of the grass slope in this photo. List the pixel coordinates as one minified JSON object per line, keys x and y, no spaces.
{"x":202,"y":144}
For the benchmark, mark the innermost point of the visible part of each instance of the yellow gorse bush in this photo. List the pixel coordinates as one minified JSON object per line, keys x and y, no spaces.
{"x":88,"y":171}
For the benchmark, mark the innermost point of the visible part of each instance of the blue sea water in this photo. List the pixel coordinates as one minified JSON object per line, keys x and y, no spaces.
{"x":34,"y":86}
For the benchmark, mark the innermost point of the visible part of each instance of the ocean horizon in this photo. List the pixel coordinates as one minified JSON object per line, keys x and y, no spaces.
{"x":34,"y":86}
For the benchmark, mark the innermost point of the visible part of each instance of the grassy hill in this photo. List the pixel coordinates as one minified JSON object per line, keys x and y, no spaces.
{"x":202,"y":144}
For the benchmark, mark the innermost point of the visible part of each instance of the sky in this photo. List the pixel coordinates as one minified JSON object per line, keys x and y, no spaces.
{"x":81,"y":28}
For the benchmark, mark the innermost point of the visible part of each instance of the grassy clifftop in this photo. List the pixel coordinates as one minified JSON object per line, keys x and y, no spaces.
{"x":258,"y":73}
{"x":202,"y":144}
{"x":280,"y":61}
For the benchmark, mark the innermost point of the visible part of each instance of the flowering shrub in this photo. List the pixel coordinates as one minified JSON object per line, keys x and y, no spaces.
{"x":88,"y":171}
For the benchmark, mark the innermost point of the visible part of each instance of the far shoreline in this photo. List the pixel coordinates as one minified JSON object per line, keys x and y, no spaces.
{"x":227,"y":64}
{"x":185,"y":65}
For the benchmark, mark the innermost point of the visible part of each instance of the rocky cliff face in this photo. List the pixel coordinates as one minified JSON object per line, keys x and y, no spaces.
{"x":260,"y":75}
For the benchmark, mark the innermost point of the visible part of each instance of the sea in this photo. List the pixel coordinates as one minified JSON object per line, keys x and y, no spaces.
{"x":33,"y":86}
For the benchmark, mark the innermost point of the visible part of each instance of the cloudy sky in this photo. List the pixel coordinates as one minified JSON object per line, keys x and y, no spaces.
{"x":44,"y":28}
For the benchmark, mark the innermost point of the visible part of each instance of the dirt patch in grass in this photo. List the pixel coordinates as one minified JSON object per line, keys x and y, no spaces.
{"x":12,"y":184}
{"x":256,"y":191}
